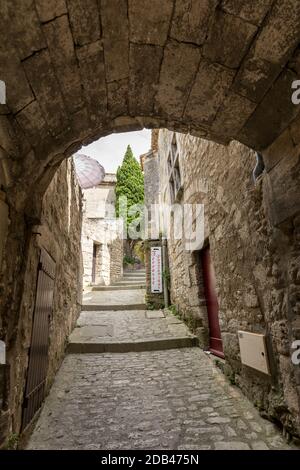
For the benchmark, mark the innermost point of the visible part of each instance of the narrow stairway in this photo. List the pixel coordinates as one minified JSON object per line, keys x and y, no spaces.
{"x":114,"y":319}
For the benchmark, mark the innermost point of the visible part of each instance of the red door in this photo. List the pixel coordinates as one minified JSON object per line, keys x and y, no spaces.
{"x":215,"y":340}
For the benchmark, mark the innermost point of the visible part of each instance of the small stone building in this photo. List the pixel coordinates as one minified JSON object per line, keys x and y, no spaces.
{"x":236,"y":282}
{"x":102,"y":241}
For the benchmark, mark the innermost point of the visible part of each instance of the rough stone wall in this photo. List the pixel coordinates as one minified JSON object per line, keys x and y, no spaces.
{"x":152,"y":189}
{"x":152,"y":198}
{"x":256,"y":261}
{"x":100,"y":227}
{"x":64,"y":220}
{"x":3,"y":223}
{"x":59,"y":233}
{"x":116,"y":259}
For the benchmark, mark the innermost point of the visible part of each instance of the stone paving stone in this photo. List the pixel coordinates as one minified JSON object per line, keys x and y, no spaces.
{"x":148,"y":400}
{"x":125,"y":297}
{"x":122,"y":326}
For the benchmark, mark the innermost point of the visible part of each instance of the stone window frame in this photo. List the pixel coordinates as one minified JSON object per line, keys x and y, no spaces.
{"x":174,"y":171}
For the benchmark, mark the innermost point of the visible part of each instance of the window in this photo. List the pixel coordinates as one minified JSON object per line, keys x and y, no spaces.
{"x":174,"y":171}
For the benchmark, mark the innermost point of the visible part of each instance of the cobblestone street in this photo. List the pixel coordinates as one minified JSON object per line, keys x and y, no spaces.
{"x":171,"y":399}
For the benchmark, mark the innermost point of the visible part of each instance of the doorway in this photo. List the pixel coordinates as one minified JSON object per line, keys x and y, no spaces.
{"x":212,"y":304}
{"x":38,"y":352}
{"x":94,"y":263}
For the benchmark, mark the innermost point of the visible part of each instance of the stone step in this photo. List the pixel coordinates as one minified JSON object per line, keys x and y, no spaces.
{"x":99,"y":308}
{"x":133,"y":346}
{"x":128,"y":283}
{"x":134,"y":274}
{"x":122,"y":287}
{"x":134,"y":271}
{"x":132,"y":277}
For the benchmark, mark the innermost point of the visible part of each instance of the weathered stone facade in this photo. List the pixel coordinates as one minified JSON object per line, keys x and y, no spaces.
{"x":152,"y":191}
{"x":254,"y":238}
{"x":59,"y":233}
{"x":102,"y":242}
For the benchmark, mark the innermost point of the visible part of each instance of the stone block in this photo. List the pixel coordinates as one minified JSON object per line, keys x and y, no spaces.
{"x":284,"y":184}
{"x":115,"y":38}
{"x":250,"y":298}
{"x":117,"y":97}
{"x":255,"y":77}
{"x":26,"y":30}
{"x":281,"y":33}
{"x":50,"y":9}
{"x":232,"y":445}
{"x":84,"y":20}
{"x":92,"y":69}
{"x":233,"y":115}
{"x":149,"y":21}
{"x":229,"y":39}
{"x":272,"y":115}
{"x":5,"y":171}
{"x":18,"y":91}
{"x":253,"y":11}
{"x":61,"y":48}
{"x":280,"y":334}
{"x":208,"y":92}
{"x":7,"y":137}
{"x":3,"y":226}
{"x":192,"y":19}
{"x":294,"y":130}
{"x":270,"y":51}
{"x":282,"y":147}
{"x":178,"y":70}
{"x":32,"y":122}
{"x":4,"y":426}
{"x":144,"y":64}
{"x":231,"y":345}
{"x":126,"y":124}
{"x":294,"y":62}
{"x":290,"y":391}
{"x":43,"y":81}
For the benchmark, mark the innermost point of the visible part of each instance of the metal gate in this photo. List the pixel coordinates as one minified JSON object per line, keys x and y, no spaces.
{"x":38,"y":353}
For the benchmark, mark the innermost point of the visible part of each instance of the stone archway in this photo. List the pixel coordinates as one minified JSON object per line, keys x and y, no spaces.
{"x":78,"y":70}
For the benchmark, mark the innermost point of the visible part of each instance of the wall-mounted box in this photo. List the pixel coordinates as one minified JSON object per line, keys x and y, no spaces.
{"x":254,"y":351}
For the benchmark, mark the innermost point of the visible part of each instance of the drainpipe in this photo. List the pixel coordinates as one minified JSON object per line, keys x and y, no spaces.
{"x":165,"y":267}
{"x":259,"y":167}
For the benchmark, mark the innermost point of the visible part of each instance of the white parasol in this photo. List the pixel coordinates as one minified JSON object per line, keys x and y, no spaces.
{"x":88,"y":170}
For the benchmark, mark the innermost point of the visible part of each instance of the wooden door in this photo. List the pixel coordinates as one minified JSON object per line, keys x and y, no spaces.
{"x":38,"y":353}
{"x":215,"y":340}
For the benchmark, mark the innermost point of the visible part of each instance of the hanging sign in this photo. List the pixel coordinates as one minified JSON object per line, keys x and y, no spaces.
{"x":156,"y":270}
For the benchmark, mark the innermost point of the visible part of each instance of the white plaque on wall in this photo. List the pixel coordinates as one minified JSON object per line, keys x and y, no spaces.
{"x":156,"y":270}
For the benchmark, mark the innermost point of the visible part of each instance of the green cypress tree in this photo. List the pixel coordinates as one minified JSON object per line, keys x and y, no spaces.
{"x":130,"y":183}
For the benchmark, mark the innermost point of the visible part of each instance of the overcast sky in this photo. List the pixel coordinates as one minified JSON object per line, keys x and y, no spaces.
{"x":110,"y":150}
